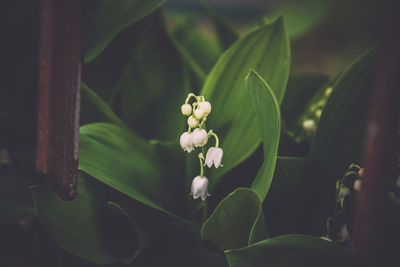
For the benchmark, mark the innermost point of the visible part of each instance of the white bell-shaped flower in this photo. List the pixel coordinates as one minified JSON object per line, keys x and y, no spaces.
{"x":198,"y":113}
{"x":186,"y":142}
{"x":205,"y":106}
{"x":214,"y":156}
{"x":200,"y":188}
{"x":199,"y":137}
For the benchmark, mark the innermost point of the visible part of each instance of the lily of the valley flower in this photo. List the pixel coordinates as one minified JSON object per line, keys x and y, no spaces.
{"x":309,"y":127}
{"x":198,"y":113}
{"x":205,"y":106}
{"x":200,"y":188}
{"x":199,"y":137}
{"x":214,"y":156}
{"x":192,"y":122}
{"x":186,"y":142}
{"x":186,"y":109}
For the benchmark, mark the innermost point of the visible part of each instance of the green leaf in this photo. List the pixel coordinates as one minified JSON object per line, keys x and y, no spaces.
{"x":80,"y":226}
{"x":124,"y":161}
{"x":236,"y":221}
{"x":202,"y":48}
{"x":339,"y":141}
{"x":269,"y":119}
{"x":154,"y":226}
{"x":16,"y":201}
{"x":266,"y":50}
{"x":153,"y":85}
{"x":191,"y":62}
{"x":288,"y":250}
{"x":108,"y":18}
{"x":339,"y":138}
{"x":94,"y":109}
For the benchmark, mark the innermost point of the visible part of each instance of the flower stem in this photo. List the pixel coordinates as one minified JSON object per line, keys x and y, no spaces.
{"x":203,"y":123}
{"x":201,"y":164}
{"x":189,"y":96}
{"x":211,"y":133}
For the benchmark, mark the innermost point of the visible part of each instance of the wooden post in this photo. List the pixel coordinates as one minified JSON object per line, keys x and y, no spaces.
{"x":59,"y":92}
{"x":375,"y":234}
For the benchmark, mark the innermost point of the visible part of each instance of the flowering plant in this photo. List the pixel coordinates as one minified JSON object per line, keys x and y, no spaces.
{"x":262,"y":194}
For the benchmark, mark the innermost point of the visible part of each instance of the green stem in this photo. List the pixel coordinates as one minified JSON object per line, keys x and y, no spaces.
{"x":189,"y":96}
{"x":202,"y":123}
{"x":201,"y":164}
{"x":211,"y":133}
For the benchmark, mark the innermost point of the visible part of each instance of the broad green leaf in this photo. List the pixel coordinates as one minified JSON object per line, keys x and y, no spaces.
{"x":143,"y":236}
{"x":202,"y":48}
{"x":237,"y":220}
{"x":269,"y":119}
{"x":339,"y":138}
{"x":16,"y":201}
{"x":81,"y":226}
{"x":108,"y":18}
{"x":191,"y":62}
{"x":302,"y":17}
{"x":338,"y":142}
{"x":94,"y":109}
{"x":153,"y":85}
{"x":266,"y":50}
{"x":155,"y":226}
{"x":288,"y":250}
{"x":124,"y":161}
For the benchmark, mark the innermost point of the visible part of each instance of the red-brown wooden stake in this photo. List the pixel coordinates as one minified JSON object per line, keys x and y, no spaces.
{"x":59,"y":91}
{"x":375,"y":236}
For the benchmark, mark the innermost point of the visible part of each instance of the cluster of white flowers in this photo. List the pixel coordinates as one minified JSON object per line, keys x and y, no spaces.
{"x":197,"y":137}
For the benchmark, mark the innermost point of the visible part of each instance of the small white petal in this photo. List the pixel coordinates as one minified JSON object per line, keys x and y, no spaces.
{"x":186,"y":142}
{"x":209,"y":157}
{"x":218,"y":154}
{"x":198,"y":113}
{"x":200,"y":187}
{"x":206,"y":107}
{"x":200,"y":137}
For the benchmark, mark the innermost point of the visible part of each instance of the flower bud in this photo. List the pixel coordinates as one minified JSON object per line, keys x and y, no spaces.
{"x":199,"y":137}
{"x":198,"y":113}
{"x":186,"y":109}
{"x":357,"y":185}
{"x":186,"y":142}
{"x":200,"y":188}
{"x":206,"y":107}
{"x":192,"y":122}
{"x":309,"y":126}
